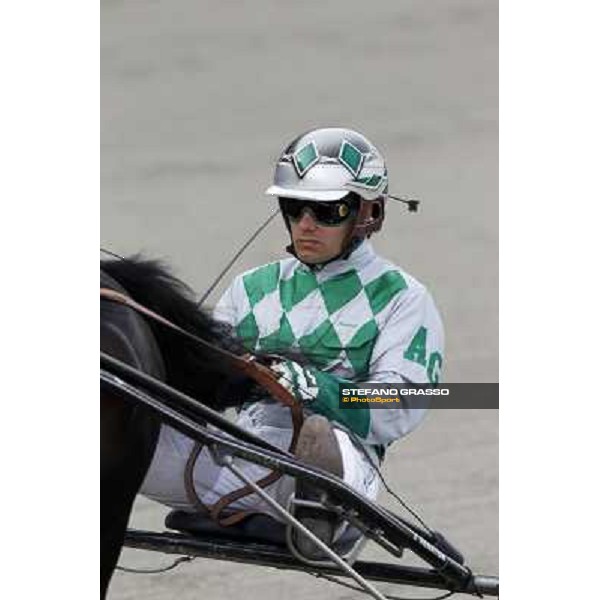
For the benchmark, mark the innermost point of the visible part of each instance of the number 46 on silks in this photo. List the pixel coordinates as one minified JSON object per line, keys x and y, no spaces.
{"x":417,"y":352}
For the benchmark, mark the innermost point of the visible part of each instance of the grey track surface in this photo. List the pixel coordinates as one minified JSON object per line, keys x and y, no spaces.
{"x":197,"y":102}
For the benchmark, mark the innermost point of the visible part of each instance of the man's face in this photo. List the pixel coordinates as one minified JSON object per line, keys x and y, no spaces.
{"x":315,"y":243}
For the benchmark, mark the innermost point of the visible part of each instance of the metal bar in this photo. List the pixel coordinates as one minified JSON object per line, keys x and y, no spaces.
{"x":267,"y":555}
{"x":284,"y":514}
{"x":395,"y":529}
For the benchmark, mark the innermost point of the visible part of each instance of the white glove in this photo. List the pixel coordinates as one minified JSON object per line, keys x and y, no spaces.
{"x":300,"y":382}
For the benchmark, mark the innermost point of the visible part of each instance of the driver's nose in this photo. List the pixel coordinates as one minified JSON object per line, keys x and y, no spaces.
{"x":307,"y":221}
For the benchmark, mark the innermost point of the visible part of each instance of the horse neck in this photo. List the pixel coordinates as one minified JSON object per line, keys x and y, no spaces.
{"x":190,"y":367}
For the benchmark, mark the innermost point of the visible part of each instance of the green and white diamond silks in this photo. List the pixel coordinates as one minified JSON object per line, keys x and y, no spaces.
{"x":353,"y":320}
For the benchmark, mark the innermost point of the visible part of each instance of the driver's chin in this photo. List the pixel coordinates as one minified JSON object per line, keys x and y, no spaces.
{"x":311,"y":257}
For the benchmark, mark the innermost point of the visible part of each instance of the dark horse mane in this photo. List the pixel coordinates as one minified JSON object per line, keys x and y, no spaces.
{"x":190,"y":367}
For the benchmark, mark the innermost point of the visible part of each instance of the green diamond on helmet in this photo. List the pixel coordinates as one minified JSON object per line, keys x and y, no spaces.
{"x":351,"y":157}
{"x":373,"y":181}
{"x":305,"y":158}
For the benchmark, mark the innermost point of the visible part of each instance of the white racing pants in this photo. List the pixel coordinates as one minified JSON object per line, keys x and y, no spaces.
{"x":164,"y":482}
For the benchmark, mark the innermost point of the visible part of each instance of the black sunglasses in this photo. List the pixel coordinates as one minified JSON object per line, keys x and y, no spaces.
{"x":324,"y":213}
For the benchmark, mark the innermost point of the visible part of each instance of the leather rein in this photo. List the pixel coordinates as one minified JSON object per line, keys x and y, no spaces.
{"x":245,"y":364}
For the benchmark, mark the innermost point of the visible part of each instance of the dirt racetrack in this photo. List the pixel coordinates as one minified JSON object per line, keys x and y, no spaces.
{"x":198,"y":99}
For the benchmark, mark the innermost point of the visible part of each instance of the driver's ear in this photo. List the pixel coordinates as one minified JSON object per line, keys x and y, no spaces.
{"x":375,"y":211}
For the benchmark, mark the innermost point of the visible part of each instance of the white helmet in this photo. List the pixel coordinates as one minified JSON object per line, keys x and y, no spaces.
{"x":325,"y":165}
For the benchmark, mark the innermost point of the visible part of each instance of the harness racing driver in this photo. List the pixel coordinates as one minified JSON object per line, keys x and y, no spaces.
{"x":352,"y":316}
